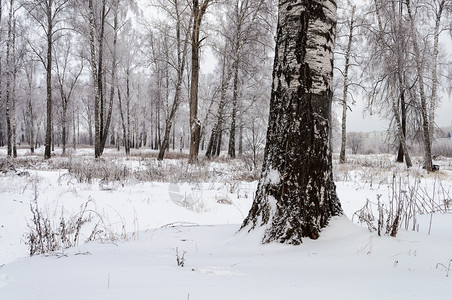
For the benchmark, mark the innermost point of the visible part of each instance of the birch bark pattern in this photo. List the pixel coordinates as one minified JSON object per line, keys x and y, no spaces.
{"x":296,"y":195}
{"x":94,"y":73}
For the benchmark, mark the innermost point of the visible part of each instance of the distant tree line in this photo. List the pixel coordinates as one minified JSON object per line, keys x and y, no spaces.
{"x":127,"y":74}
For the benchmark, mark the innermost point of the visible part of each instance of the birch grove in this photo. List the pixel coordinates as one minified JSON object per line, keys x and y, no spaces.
{"x":179,"y":76}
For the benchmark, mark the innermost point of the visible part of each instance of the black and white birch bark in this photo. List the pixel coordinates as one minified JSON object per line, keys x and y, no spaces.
{"x":296,"y":195}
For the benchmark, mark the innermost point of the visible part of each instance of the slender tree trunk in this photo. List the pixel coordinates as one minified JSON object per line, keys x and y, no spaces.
{"x":64,"y":127}
{"x":158,"y":134}
{"x":100,"y":76}
{"x":213,"y":147}
{"x":296,"y":195}
{"x":235,"y":93}
{"x":29,"y":104}
{"x":170,"y":120}
{"x":241,"y":125}
{"x":198,"y":11}
{"x":48,"y":142}
{"x":90,"y":130}
{"x":181,"y":59}
{"x":235,"y":96}
{"x":345,"y":90}
{"x":128,"y":112}
{"x":401,"y":152}
{"x":400,"y":133}
{"x":195,"y":126}
{"x":8,"y":82}
{"x":124,"y":126}
{"x":242,"y":10}
{"x":32,"y":117}
{"x":106,"y":126}
{"x":74,"y":136}
{"x":435,"y":70}
{"x":13,"y":96}
{"x":392,"y":80}
{"x":151,"y":130}
{"x":420,"y":72}
{"x":94,"y":73}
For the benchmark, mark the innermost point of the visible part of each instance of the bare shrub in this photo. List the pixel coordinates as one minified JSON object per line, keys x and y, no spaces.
{"x":180,"y":259}
{"x":366,"y":215}
{"x":446,"y":267}
{"x":407,"y":199}
{"x":85,"y":171}
{"x":44,"y":236}
{"x":6,"y":166}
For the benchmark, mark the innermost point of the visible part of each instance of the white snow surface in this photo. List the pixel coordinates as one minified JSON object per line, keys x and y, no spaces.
{"x":152,"y":220}
{"x":274,"y":177}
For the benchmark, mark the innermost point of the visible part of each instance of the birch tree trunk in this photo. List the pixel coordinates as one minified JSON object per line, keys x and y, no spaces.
{"x":49,"y":31}
{"x":235,"y":96}
{"x":403,"y":113}
{"x":13,"y":95}
{"x":74,"y":134}
{"x":433,"y":100}
{"x":32,"y":117}
{"x":420,"y":72}
{"x":124,"y":128}
{"x":345,"y":90}
{"x":214,"y":145}
{"x":296,"y":195}
{"x":106,"y":126}
{"x":100,"y":75}
{"x":94,"y":74}
{"x":8,"y":82}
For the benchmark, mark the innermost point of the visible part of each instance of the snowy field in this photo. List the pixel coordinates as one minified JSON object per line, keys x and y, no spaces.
{"x":168,"y":230}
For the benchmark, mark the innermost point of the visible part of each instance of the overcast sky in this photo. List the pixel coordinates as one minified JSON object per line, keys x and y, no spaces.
{"x":360,"y":120}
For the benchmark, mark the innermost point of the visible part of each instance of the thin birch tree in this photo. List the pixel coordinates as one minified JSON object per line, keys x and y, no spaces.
{"x":345,"y":106}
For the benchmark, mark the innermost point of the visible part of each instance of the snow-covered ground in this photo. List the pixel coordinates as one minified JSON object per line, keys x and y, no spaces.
{"x":146,"y":225}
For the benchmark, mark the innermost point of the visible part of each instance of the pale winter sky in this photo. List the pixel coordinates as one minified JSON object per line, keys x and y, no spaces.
{"x":361,"y":120}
